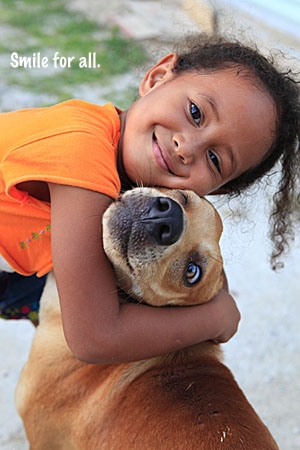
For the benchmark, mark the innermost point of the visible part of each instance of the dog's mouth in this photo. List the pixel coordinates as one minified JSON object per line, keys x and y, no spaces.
{"x":120,"y":226}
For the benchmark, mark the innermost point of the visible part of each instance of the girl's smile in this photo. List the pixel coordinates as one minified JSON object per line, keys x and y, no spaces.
{"x":161,"y":156}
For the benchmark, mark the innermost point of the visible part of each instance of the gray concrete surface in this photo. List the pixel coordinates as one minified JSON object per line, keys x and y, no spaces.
{"x":265,"y":353}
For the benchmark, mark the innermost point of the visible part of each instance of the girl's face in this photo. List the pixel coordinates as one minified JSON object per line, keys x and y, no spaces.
{"x":195,"y":131}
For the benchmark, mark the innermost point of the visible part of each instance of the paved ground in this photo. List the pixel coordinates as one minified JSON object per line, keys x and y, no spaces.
{"x":265,"y":353}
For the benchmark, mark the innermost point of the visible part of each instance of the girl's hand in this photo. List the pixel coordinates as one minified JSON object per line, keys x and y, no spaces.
{"x":226,"y":314}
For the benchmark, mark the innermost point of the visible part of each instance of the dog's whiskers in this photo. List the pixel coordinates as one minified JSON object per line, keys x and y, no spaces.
{"x":125,"y":295}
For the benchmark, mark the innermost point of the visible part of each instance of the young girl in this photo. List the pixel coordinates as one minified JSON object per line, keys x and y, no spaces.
{"x":212,"y":119}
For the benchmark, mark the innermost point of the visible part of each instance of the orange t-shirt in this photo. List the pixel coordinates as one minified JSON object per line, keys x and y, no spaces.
{"x":72,"y":143}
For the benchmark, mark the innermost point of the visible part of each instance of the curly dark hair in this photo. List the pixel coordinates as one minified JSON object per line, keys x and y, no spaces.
{"x":212,"y":53}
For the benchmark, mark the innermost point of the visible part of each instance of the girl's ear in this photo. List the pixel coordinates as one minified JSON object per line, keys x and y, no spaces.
{"x":162,"y":71}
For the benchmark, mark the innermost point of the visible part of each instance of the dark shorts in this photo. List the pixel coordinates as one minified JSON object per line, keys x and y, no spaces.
{"x":20,"y":296}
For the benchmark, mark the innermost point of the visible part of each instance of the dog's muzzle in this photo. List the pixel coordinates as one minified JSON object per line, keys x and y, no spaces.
{"x":136,"y":224}
{"x":163,"y":220}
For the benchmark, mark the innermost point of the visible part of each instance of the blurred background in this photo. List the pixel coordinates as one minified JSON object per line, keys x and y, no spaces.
{"x":117,"y":41}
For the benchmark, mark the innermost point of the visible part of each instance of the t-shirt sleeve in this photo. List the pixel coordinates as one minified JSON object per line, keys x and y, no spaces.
{"x":74,"y":143}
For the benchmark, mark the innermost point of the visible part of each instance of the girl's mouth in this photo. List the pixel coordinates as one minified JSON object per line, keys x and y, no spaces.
{"x":159,"y":155}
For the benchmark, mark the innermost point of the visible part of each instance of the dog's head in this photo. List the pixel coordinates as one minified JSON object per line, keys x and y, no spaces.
{"x":164,"y":246}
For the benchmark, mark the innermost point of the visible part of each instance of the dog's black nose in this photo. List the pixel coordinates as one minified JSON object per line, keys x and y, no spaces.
{"x":164,"y":220}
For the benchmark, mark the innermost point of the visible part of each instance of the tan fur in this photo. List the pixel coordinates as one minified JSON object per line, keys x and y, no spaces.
{"x":184,"y":400}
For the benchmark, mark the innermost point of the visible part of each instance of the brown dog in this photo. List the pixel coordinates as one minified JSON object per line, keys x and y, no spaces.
{"x":164,"y":246}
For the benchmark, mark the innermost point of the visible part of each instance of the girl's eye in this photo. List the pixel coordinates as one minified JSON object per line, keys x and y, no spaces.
{"x":195,"y":113}
{"x":214,"y":159}
{"x":193,"y":273}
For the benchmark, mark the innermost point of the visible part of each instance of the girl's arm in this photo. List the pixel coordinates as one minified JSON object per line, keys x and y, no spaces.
{"x":98,"y":328}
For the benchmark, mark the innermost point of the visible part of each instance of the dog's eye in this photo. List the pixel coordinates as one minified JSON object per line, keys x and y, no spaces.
{"x":193,"y":273}
{"x":184,"y":198}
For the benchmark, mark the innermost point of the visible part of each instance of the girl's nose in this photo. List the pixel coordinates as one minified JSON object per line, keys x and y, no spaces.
{"x":184,"y":148}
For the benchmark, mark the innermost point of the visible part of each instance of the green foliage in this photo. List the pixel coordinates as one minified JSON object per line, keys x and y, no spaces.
{"x":36,"y":26}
